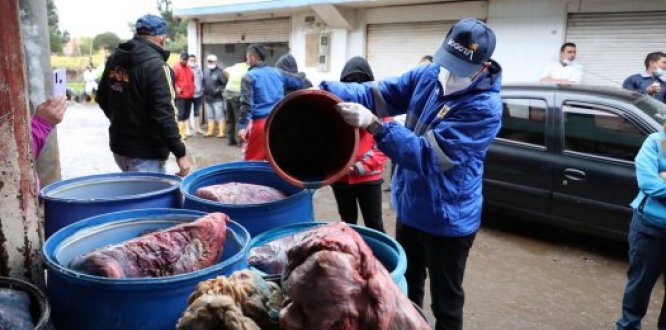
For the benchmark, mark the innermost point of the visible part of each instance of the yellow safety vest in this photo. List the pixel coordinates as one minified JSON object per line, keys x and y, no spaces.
{"x":236,"y":73}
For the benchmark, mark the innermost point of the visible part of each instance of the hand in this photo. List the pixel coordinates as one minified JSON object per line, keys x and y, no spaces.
{"x":184,"y":166}
{"x":243,"y":134}
{"x":355,"y":114}
{"x":53,"y":110}
{"x":653,"y":89}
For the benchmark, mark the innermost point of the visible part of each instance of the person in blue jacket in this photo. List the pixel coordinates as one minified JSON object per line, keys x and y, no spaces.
{"x":261,"y":89}
{"x":647,"y":233}
{"x":453,"y":112}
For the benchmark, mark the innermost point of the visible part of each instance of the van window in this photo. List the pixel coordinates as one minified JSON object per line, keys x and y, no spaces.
{"x":598,"y":131}
{"x":524,"y":120}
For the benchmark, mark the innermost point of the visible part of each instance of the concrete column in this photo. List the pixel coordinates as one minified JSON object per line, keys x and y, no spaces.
{"x":20,"y":228}
{"x":35,"y":33}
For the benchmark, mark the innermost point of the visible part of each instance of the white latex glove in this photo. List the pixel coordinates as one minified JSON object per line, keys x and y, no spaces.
{"x":355,"y":114}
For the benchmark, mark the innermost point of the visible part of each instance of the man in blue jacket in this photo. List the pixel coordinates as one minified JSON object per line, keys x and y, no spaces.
{"x":453,"y":112}
{"x":261,"y":88}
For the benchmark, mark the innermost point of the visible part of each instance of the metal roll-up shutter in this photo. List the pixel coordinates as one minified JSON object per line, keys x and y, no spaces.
{"x":394,"y":48}
{"x":254,"y":31}
{"x":612,"y":46}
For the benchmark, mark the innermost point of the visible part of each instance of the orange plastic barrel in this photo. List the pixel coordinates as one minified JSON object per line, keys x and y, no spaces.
{"x":307,"y":142}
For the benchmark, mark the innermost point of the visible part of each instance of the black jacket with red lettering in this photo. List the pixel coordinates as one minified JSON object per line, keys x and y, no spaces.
{"x":136,"y":93}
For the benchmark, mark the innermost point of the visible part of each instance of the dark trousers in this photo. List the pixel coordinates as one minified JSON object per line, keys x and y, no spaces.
{"x":232,"y":117}
{"x":444,"y":258}
{"x":647,"y":260}
{"x":369,"y":198}
{"x":183,"y":106}
{"x":196,"y":105}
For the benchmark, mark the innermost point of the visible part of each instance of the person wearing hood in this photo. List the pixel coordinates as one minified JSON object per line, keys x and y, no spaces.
{"x":136,"y":93}
{"x":454,"y":112}
{"x":287,"y":63}
{"x":197,"y":96}
{"x":363,"y":185}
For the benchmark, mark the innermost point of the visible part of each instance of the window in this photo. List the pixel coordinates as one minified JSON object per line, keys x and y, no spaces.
{"x":524,"y":120}
{"x":595,"y":130}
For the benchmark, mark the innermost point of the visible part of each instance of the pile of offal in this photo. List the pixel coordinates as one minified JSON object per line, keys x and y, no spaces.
{"x":330,"y":280}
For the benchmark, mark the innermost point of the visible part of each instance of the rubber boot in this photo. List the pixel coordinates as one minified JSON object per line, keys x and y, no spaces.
{"x":222,"y":127}
{"x":197,"y":126}
{"x":211,"y":128}
{"x":187,"y":128}
{"x":181,"y":128}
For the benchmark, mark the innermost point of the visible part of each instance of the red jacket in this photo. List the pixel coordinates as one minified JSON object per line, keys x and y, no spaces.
{"x":369,"y":161}
{"x":184,"y":81}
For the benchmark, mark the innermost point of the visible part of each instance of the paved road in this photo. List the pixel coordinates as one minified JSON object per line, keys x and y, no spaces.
{"x":519,"y":275}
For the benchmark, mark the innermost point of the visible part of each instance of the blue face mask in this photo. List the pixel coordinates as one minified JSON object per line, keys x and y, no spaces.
{"x":659,"y":72}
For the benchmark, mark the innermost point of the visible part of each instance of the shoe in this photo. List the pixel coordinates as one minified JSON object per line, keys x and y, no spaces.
{"x":222,"y":125}
{"x":211,"y":128}
{"x":232,"y":143}
{"x":181,"y":129}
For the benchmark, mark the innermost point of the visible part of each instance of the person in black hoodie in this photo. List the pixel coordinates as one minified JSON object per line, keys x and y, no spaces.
{"x":136,"y":93}
{"x":287,"y":63}
{"x":362,"y":186}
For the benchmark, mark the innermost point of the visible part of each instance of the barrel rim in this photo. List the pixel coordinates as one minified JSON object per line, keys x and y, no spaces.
{"x":258,"y":165}
{"x":33,"y":291}
{"x":51,"y":264}
{"x":269,"y":155}
{"x":45,"y":192}
{"x":400,"y":267}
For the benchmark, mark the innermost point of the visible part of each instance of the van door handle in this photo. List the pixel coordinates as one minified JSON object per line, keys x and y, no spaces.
{"x":574,"y":174}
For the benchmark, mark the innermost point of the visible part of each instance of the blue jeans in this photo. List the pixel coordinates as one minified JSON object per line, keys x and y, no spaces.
{"x":215,"y":109}
{"x":196,"y":105}
{"x":129,"y":164}
{"x":647,"y":260}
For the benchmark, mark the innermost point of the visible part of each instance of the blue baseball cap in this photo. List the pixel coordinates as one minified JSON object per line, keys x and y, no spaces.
{"x":152,"y":25}
{"x":467,"y":46}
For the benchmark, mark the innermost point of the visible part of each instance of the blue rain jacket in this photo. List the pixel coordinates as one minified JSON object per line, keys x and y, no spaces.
{"x":651,"y":199}
{"x":440,"y":151}
{"x":261,"y":89}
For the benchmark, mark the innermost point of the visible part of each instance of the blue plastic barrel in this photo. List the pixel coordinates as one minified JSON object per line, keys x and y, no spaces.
{"x":82,"y":301}
{"x":386,"y":249}
{"x":297,"y":207}
{"x":74,"y":199}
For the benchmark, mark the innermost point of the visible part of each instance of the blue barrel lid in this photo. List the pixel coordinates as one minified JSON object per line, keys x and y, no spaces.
{"x":100,"y":187}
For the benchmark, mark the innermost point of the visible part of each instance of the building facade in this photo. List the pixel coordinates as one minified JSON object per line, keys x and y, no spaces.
{"x":613,"y":36}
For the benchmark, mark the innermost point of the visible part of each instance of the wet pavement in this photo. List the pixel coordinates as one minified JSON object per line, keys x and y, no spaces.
{"x":519,"y":275}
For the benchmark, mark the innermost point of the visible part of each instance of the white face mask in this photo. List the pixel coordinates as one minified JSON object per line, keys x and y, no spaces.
{"x":212,"y":66}
{"x":451,"y":83}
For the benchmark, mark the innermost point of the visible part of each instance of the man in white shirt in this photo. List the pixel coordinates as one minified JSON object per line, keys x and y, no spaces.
{"x":566,"y":70}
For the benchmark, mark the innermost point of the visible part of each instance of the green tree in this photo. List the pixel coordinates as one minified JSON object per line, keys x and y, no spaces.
{"x":55,"y":36}
{"x":106,"y":40}
{"x":85,"y":46}
{"x":176,"y":28}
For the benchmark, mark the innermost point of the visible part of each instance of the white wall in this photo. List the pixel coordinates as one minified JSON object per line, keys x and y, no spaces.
{"x":529,"y":34}
{"x":339,"y":42}
{"x":193,"y":41}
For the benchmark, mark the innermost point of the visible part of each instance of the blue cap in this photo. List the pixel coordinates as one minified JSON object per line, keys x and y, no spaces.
{"x":467,"y":46}
{"x":152,"y":25}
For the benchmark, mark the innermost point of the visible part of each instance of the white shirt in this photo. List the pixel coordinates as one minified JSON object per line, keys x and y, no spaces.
{"x":556,"y":70}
